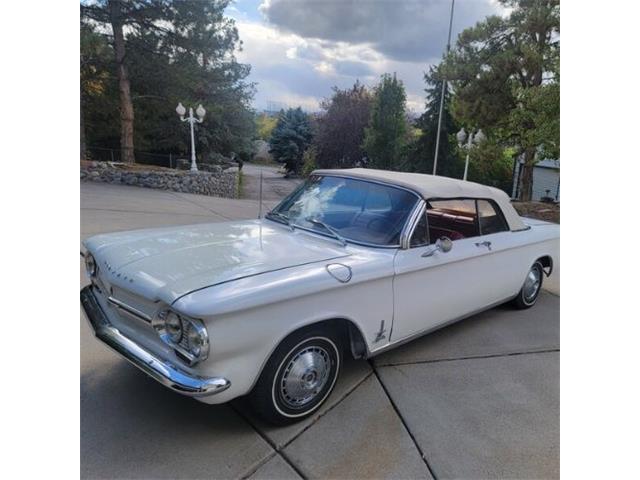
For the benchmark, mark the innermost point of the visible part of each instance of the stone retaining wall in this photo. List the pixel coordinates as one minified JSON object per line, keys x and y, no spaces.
{"x":219,"y":183}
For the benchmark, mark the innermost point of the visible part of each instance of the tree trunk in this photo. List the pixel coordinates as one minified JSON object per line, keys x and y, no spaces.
{"x":126,"y":105}
{"x":526,"y":175}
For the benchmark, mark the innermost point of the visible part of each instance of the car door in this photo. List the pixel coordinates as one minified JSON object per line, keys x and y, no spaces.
{"x":432,"y":290}
{"x":502,"y":251}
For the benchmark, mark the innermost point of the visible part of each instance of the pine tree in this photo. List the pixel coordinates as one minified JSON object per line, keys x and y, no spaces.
{"x":173,"y":52}
{"x":505,"y":72}
{"x":291,"y":137}
{"x":422,"y":158}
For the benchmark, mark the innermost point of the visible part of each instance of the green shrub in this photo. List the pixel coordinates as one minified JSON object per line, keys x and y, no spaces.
{"x":309,"y":163}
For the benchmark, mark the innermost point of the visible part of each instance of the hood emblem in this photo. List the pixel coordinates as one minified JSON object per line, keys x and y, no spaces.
{"x":340,"y":272}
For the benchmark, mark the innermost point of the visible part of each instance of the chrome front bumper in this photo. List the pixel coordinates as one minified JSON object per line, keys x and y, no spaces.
{"x":164,"y":372}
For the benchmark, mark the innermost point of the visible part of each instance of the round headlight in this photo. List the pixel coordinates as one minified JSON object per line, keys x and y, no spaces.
{"x":173,"y":326}
{"x":198,"y":340}
{"x":90,"y":265}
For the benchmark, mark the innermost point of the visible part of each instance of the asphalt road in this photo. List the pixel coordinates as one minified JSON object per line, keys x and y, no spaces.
{"x":479,"y":399}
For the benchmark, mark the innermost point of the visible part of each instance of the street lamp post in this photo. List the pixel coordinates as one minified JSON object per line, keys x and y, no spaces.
{"x":200,"y":111}
{"x":476,"y":138}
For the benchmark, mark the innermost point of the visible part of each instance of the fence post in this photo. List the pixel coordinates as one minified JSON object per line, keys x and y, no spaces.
{"x":170,"y":164}
{"x":111,"y":151}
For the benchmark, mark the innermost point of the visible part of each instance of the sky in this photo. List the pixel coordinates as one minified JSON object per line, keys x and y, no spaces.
{"x":299,"y":49}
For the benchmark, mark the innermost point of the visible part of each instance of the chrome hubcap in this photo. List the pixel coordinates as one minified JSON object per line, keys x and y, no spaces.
{"x":305,"y":376}
{"x":532,"y":284}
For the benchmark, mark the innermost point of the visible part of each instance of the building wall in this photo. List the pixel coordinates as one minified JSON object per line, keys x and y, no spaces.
{"x":546,"y":179}
{"x":546,"y":176}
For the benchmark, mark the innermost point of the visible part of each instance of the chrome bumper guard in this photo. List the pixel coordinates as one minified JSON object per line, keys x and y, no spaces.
{"x":164,"y":372}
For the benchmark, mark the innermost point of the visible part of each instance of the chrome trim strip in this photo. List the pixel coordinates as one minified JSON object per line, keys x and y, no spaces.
{"x":412,"y":222}
{"x":413,"y":336}
{"x":164,"y":372}
{"x":129,"y":309}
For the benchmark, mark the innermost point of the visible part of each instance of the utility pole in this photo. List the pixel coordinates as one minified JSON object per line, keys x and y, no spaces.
{"x":444,"y":85}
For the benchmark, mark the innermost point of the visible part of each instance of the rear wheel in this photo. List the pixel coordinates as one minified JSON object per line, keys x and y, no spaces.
{"x":531,"y":288}
{"x":299,"y":376}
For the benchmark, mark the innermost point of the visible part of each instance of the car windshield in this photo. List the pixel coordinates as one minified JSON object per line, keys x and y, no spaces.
{"x":348,"y":210}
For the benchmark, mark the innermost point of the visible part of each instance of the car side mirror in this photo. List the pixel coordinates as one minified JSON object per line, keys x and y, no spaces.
{"x":443,"y":244}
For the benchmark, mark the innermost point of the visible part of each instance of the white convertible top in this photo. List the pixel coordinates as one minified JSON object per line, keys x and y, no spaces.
{"x":431,"y":186}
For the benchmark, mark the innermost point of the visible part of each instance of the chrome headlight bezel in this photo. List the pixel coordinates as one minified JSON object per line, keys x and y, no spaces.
{"x":173,"y":326}
{"x":90,"y":265}
{"x":192,"y":342}
{"x":197,"y":339}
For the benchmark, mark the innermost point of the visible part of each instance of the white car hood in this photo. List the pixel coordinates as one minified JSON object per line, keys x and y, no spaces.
{"x":165,"y":264}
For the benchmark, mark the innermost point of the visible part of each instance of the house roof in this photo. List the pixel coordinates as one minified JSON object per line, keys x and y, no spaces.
{"x":431,"y":186}
{"x":548,"y":163}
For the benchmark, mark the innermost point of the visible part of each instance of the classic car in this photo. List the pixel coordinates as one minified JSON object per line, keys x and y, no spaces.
{"x":353,"y":262}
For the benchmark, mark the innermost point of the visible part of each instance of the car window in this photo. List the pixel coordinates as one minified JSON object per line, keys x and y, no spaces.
{"x":491,"y":219}
{"x":357,"y":210}
{"x":455,"y":219}
{"x":420,"y":235}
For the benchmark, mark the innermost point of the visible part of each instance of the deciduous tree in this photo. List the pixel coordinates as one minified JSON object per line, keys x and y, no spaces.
{"x":385,"y":136}
{"x":341,"y":126}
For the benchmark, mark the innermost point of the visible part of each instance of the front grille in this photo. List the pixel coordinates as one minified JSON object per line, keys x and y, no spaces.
{"x":133,"y":304}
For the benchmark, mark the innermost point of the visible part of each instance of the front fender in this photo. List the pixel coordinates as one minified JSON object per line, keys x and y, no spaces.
{"x":248,"y":318}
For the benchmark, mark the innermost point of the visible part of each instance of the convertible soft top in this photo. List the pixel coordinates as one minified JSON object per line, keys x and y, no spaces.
{"x":432,"y":186}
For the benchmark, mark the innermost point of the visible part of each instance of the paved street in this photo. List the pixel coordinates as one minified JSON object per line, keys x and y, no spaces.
{"x":274,"y":186}
{"x":479,"y":399}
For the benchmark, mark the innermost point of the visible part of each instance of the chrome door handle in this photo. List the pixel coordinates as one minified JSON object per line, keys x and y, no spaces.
{"x":484,"y":244}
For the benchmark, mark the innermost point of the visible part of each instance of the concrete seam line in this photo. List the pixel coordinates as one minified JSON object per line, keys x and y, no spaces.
{"x":403,"y":421}
{"x":551,"y":293}
{"x":276,"y":450}
{"x":340,"y":400}
{"x":472,"y":357}
{"x":259,"y":464}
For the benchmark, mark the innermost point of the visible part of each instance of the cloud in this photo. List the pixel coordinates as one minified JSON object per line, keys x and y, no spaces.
{"x":353,"y":68}
{"x":403,"y":30}
{"x":298,"y":71}
{"x":299,"y":50}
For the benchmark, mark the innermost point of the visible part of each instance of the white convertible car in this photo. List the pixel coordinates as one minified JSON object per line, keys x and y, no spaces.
{"x":354,"y":262}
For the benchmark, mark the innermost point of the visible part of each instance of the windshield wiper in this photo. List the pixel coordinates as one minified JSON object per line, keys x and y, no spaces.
{"x":283,"y":217}
{"x":329,"y":229}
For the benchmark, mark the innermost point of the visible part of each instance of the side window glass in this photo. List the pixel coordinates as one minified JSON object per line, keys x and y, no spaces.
{"x":456,"y":219}
{"x":491,"y":221}
{"x":420,"y":235}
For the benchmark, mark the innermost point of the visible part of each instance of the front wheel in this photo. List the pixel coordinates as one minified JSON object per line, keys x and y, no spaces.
{"x":531,"y":288}
{"x":299,"y":376}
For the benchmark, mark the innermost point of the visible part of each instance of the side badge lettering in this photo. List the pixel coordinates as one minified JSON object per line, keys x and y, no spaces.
{"x":381,"y":333}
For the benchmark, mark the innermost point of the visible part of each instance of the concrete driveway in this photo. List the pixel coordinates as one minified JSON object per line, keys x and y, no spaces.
{"x":479,"y":399}
{"x":274,"y":186}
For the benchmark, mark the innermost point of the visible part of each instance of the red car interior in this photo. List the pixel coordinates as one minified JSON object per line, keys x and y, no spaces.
{"x":451,"y":223}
